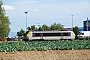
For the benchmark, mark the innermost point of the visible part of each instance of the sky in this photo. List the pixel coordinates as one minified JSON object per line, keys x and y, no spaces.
{"x":46,"y":12}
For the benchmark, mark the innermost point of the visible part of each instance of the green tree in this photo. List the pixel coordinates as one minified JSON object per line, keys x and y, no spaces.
{"x":32,"y":28}
{"x":40,"y":29}
{"x":21,"y":33}
{"x":56,"y":26}
{"x":76,"y":30}
{"x":4,"y":22}
{"x":29,"y":28}
{"x":45,"y":27}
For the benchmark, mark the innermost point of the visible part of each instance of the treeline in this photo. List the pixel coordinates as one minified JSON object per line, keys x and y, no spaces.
{"x":44,"y":27}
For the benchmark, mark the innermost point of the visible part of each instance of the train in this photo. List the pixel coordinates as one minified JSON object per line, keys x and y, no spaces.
{"x":49,"y":35}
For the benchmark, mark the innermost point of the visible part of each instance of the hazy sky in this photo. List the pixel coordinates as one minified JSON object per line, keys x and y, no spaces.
{"x":46,"y":12}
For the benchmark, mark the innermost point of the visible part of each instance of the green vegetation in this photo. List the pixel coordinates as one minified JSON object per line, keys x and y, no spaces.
{"x":21,"y":32}
{"x":55,"y":26}
{"x":4,"y":22}
{"x":76,"y":30}
{"x":44,"y":27}
{"x":44,"y":45}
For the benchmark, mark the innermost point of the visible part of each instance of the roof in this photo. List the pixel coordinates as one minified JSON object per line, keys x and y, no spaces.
{"x":49,"y":31}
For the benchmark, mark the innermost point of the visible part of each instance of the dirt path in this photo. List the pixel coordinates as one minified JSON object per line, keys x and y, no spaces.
{"x":47,"y":55}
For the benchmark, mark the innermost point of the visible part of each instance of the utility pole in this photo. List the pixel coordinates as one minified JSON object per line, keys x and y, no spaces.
{"x":26,"y":19}
{"x":72,"y":22}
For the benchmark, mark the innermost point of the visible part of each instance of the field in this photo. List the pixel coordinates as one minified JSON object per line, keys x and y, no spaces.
{"x":44,"y":45}
{"x":45,"y":50}
{"x":47,"y":55}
